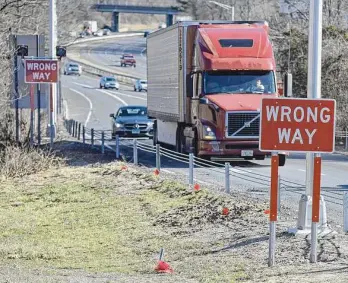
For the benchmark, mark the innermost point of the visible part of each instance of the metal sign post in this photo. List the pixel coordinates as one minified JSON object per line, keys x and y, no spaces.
{"x":32,"y":109}
{"x":315,"y":207}
{"x":298,"y":125}
{"x":314,"y":91}
{"x":273,"y":208}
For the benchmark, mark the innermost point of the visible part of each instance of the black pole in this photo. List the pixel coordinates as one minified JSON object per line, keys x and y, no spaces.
{"x":16,"y":90}
{"x":38,"y":97}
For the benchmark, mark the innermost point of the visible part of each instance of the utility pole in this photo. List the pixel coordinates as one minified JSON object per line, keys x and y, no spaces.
{"x":314,"y":92}
{"x":52,"y":47}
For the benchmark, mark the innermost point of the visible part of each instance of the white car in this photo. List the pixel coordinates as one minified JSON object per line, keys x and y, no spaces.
{"x":72,"y":68}
{"x":109,"y":82}
{"x":140,"y":85}
{"x":98,"y":33}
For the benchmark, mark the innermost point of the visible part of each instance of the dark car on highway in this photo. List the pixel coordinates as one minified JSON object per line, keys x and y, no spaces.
{"x":131,"y":121}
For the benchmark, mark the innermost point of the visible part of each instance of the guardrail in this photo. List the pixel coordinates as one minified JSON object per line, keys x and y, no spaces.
{"x":197,"y":167}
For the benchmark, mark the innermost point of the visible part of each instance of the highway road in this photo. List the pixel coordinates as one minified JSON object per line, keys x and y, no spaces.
{"x":88,"y":104}
{"x":108,"y":53}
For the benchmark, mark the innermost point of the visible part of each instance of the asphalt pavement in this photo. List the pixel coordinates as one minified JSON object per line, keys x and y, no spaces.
{"x":92,"y":106}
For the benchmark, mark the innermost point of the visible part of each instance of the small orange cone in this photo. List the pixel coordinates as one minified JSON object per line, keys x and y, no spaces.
{"x":196,"y":187}
{"x":266,"y":211}
{"x":156,"y":172}
{"x":225,"y":211}
{"x":163,"y":267}
{"x":124,"y":167}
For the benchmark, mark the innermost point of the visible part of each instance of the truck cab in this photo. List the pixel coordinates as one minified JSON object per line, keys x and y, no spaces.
{"x":213,"y":107}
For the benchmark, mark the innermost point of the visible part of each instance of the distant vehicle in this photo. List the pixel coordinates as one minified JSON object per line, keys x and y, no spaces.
{"x":146,"y":33}
{"x":109,"y":82}
{"x":128,"y":60}
{"x":162,"y":25}
{"x":131,"y":121}
{"x":99,"y":33}
{"x":72,"y":69}
{"x":106,"y":32}
{"x":91,"y":25}
{"x":140,"y":85}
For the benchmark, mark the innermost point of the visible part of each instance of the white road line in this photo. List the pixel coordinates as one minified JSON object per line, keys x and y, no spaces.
{"x":115,"y":92}
{"x":167,"y":171}
{"x":142,"y":52}
{"x":65,"y":103}
{"x":128,"y":95}
{"x":240,"y":171}
{"x":90,"y":105}
{"x":114,"y":96}
{"x":302,"y":170}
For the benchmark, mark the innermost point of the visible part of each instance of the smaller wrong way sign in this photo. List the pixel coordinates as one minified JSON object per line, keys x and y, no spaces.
{"x":295,"y":124}
{"x":41,"y":71}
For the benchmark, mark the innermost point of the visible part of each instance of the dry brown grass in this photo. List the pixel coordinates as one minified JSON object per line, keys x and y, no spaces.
{"x":20,"y":161}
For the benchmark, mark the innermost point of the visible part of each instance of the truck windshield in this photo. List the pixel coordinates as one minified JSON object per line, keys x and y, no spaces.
{"x":239,"y":82}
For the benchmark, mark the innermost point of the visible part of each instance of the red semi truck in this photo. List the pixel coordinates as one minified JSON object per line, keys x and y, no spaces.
{"x":205,"y":85}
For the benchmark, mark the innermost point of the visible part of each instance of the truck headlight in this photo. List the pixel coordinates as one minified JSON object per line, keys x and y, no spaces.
{"x":149,"y":124}
{"x":118,"y":125}
{"x":208,"y":133}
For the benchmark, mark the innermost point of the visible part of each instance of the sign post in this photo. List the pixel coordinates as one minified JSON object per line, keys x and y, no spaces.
{"x":273,"y":207}
{"x":32,"y":109}
{"x":296,"y":125}
{"x":38,"y":71}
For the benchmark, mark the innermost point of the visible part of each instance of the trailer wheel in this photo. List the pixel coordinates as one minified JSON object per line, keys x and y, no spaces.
{"x":178,"y":144}
{"x":195,"y":144}
{"x":282,"y":159}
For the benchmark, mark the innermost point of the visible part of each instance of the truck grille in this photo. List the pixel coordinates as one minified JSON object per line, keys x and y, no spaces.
{"x":243,"y":124}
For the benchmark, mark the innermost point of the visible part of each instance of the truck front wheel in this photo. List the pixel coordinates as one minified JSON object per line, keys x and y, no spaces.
{"x":282,"y":159}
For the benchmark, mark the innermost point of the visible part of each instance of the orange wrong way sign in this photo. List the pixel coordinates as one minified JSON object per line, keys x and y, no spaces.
{"x":295,"y":124}
{"x":41,"y":71}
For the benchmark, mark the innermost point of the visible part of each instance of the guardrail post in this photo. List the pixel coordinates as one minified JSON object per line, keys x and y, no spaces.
{"x":83,"y":134}
{"x":227,"y":177}
{"x":76,"y":127}
{"x":345,"y":211}
{"x":103,"y":142}
{"x":79,"y":132}
{"x":346,"y":138}
{"x":117,"y":146}
{"x":73,"y":128}
{"x":158,"y":156}
{"x":191,"y":168}
{"x":135,"y":152}
{"x":279,"y":181}
{"x":92,"y":136}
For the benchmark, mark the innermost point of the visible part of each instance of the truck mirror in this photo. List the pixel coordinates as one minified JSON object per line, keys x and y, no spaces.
{"x":203,"y":100}
{"x":112,"y":115}
{"x":288,"y":85}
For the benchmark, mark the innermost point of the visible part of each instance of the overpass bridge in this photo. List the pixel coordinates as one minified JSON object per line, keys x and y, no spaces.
{"x":117,"y":9}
